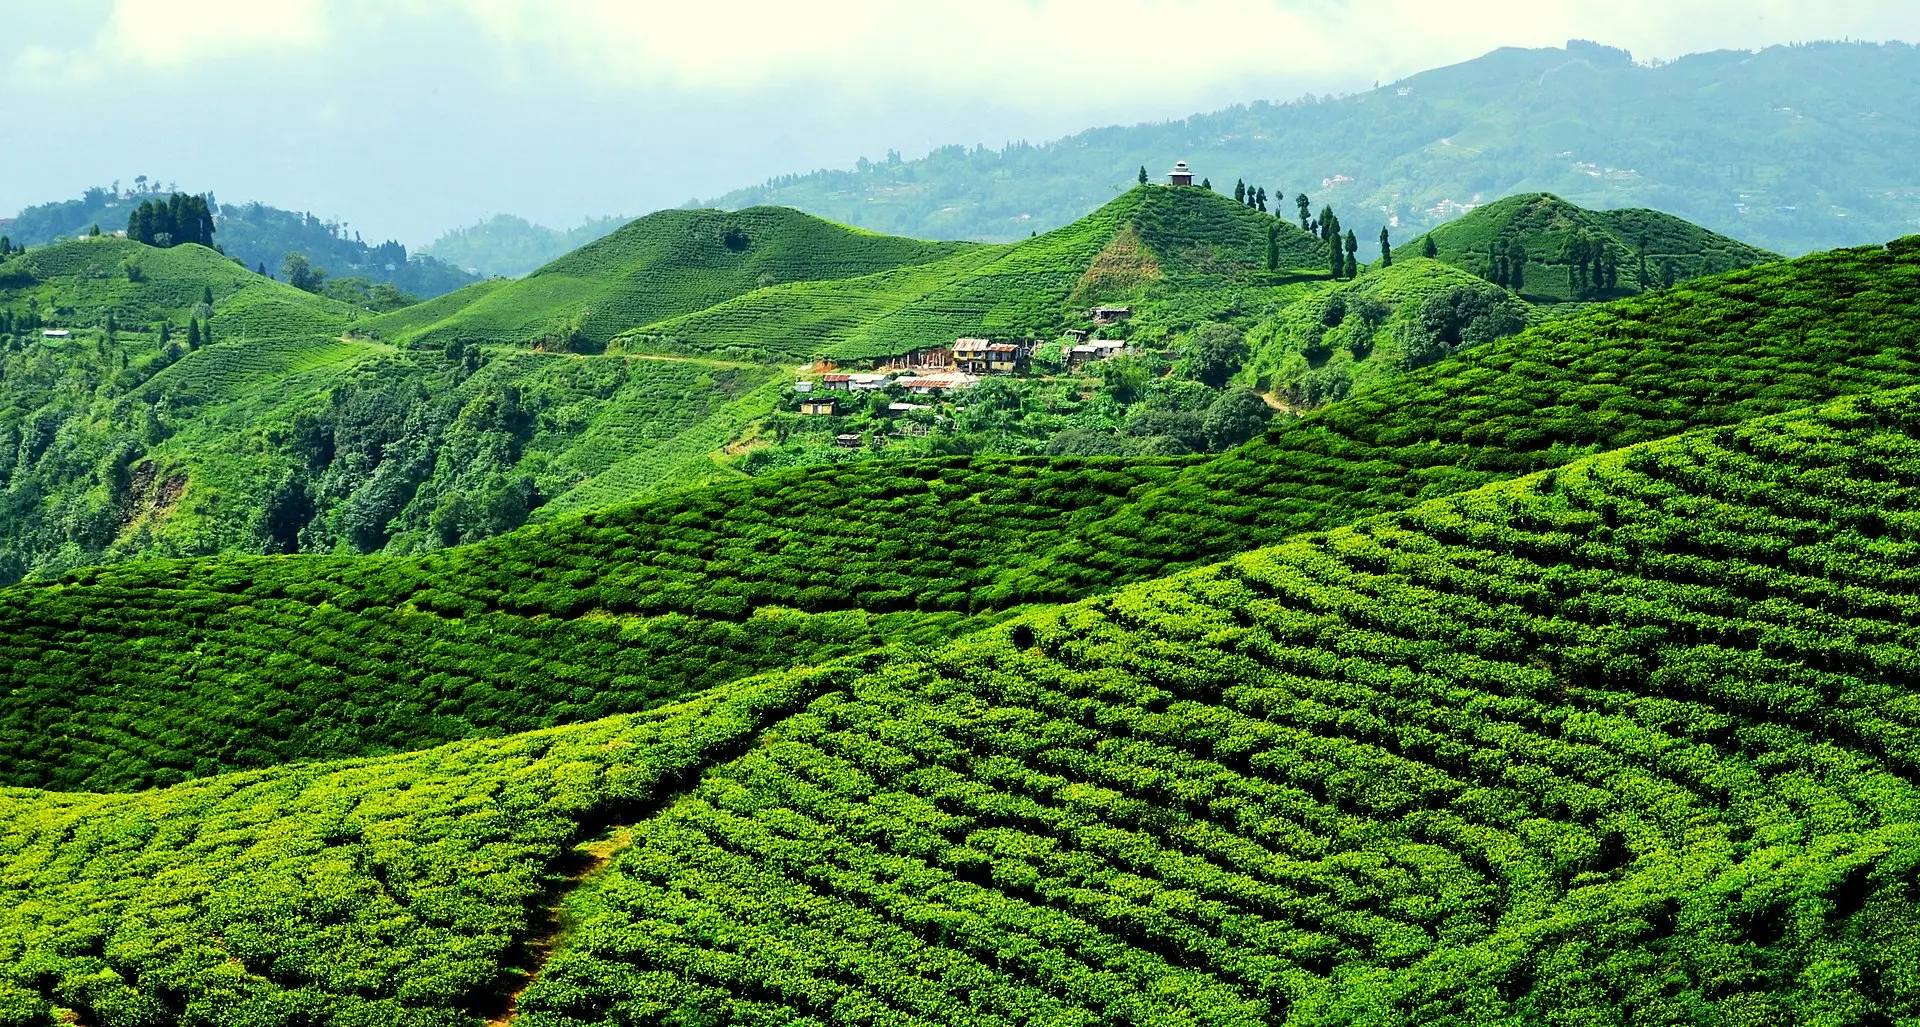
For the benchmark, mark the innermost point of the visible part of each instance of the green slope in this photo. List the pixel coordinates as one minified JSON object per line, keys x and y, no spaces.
{"x":188,"y":668}
{"x":633,"y":605}
{"x":75,"y":284}
{"x":1626,"y":740}
{"x":660,"y":266}
{"x":1651,"y":250}
{"x":1351,"y":338}
{"x":1180,"y":256}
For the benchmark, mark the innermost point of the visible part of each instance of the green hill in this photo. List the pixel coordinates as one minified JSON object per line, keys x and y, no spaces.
{"x":660,"y":266}
{"x":1357,"y":336}
{"x":257,"y":235}
{"x":1794,"y":147}
{"x":1187,"y":253}
{"x":1625,"y":740}
{"x":630,"y":606}
{"x":1566,"y":253}
{"x":77,"y":284}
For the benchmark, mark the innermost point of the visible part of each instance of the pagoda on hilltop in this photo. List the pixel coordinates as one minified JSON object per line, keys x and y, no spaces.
{"x":1181,"y":174}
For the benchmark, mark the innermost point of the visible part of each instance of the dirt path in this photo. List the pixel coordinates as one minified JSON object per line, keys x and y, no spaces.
{"x":592,"y":859}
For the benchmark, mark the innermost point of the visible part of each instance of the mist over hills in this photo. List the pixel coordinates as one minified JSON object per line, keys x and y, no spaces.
{"x":1793,"y":148}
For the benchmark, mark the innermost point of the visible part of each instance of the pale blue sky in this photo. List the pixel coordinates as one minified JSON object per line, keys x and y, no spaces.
{"x":406,"y":117}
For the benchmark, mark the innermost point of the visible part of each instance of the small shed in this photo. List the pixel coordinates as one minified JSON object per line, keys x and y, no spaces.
{"x":803,"y":385}
{"x":847,"y":441}
{"x":837,"y":382}
{"x":1108,"y":315}
{"x":817,"y":408}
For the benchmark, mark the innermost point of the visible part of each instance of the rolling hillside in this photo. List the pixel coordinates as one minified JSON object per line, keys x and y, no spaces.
{"x":1795,"y":148}
{"x":626,"y":607}
{"x":1625,"y":739}
{"x":666,"y":264}
{"x":292,"y":430}
{"x":1623,"y":251}
{"x":794,"y":297}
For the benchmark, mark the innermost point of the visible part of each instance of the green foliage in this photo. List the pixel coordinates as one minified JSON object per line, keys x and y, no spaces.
{"x":1364,"y":334}
{"x":175,"y":221}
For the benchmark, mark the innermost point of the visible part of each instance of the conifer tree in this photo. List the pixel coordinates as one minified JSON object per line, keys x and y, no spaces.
{"x":193,"y":333}
{"x":1273,"y":247}
{"x":1430,"y":250}
{"x":1207,"y":184}
{"x":1516,"y":266}
{"x":1353,"y":247}
{"x":1240,"y":191}
{"x":1143,"y":176}
{"x":1262,"y":197}
{"x":1329,"y":225}
{"x":1386,"y":248}
{"x":206,"y":295}
{"x":1305,"y":206}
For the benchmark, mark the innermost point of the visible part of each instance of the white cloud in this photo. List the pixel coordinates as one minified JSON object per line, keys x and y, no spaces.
{"x":146,"y":35}
{"x":1043,"y":51}
{"x":1029,"y":53}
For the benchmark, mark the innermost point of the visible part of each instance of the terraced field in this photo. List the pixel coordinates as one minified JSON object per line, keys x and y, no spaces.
{"x":1625,"y":739}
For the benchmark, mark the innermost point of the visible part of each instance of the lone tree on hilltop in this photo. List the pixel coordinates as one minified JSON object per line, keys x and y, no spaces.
{"x":1386,"y":248}
{"x":1143,"y":174}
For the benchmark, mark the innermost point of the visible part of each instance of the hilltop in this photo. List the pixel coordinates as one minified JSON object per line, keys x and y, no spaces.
{"x":256,"y":234}
{"x":1564,"y":253}
{"x":666,"y":264}
{"x":1794,"y":148}
{"x":1188,"y":249}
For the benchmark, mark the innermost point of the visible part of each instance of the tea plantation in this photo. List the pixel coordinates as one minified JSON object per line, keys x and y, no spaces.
{"x":637,"y":604}
{"x":1626,"y":739}
{"x":661,"y":266}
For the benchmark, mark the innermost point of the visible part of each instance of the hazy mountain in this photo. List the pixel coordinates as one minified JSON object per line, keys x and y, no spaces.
{"x":1793,"y":148}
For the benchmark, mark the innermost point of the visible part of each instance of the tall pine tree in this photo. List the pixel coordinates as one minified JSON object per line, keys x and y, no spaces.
{"x":1386,"y":248}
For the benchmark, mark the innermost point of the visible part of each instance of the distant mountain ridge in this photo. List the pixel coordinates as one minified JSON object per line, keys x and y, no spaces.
{"x":512,"y":246}
{"x":1795,"y":148}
